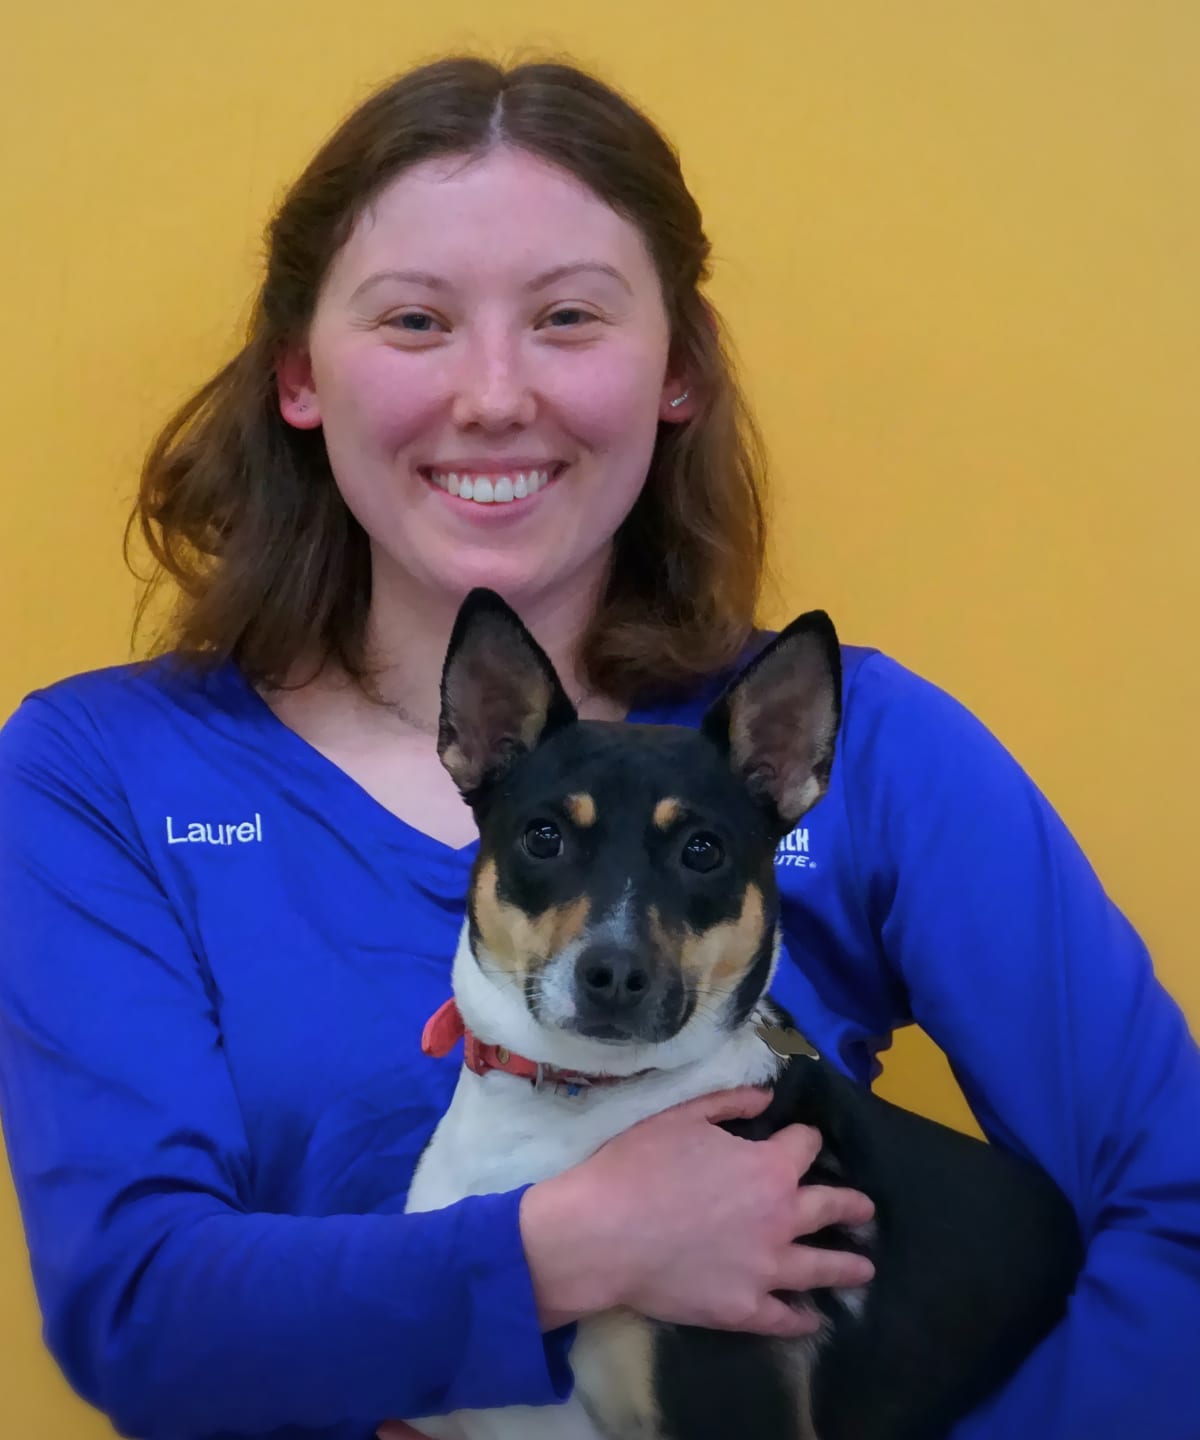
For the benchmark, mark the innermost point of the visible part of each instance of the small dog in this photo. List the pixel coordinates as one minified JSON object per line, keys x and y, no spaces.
{"x":620,"y":940}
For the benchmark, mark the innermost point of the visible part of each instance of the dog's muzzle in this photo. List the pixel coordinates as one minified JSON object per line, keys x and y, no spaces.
{"x":619,"y":997}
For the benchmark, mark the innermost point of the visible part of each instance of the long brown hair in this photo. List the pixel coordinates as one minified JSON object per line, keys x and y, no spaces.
{"x":241,"y":510}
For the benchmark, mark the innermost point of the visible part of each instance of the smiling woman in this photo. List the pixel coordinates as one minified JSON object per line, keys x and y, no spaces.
{"x":509,"y":373}
{"x":417,"y":319}
{"x":504,"y":375}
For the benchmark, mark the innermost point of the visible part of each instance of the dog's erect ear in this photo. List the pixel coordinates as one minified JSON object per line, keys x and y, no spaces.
{"x":778,"y":720}
{"x":500,"y":695}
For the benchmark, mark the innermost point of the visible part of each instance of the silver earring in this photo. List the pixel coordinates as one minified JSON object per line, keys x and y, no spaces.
{"x":679,"y":399}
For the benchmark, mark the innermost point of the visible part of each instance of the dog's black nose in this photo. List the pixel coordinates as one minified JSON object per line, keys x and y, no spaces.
{"x":611,"y":979}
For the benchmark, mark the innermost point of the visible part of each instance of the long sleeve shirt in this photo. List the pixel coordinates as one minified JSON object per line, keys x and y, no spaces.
{"x":217,"y":953}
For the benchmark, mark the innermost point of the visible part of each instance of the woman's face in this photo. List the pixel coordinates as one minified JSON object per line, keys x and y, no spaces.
{"x":490,"y":328}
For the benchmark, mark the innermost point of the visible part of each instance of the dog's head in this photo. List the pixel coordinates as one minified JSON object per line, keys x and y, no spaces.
{"x":624,"y":893}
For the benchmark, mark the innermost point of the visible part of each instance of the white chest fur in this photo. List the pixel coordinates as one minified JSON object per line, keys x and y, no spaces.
{"x":500,"y":1133}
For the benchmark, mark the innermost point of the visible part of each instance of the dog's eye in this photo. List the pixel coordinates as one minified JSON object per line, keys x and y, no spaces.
{"x":703,"y":852}
{"x":543,"y":840}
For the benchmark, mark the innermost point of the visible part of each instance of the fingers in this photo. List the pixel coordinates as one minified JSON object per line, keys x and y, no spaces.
{"x":808,"y":1267}
{"x":820,"y":1205}
{"x":741,"y":1104}
{"x":801,"y":1269}
{"x":800,"y":1143}
{"x":776,"y":1317}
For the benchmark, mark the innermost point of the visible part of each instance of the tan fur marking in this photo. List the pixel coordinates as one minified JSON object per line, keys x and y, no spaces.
{"x":582,"y":809}
{"x":613,"y":1361}
{"x":666,"y":812}
{"x":516,"y":941}
{"x":459,"y":766}
{"x":535,"y":721}
{"x":714,"y":959}
{"x":797,"y":1360}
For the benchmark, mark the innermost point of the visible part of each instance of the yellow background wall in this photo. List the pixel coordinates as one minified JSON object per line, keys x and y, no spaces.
{"x":957,"y":243}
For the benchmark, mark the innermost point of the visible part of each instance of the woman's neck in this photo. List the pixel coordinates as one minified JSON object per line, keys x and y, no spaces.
{"x":408,"y":631}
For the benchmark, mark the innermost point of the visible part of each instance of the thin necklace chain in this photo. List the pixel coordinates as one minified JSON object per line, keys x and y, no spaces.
{"x":427,"y":727}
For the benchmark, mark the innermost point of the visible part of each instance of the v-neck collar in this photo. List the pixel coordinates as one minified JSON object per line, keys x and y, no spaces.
{"x":243,"y":702}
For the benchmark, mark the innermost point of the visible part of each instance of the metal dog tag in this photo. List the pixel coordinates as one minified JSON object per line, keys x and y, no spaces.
{"x":786,"y":1042}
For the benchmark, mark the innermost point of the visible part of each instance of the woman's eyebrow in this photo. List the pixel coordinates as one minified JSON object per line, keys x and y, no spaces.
{"x":539,"y":282}
{"x":411,"y":277}
{"x":560,"y":272}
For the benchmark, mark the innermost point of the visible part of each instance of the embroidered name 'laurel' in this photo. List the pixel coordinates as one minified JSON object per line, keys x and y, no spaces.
{"x":237,"y":832}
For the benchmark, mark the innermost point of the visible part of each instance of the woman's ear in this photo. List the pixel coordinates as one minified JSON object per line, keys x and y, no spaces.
{"x":298,"y":403}
{"x":681,"y":390}
{"x":679,"y":401}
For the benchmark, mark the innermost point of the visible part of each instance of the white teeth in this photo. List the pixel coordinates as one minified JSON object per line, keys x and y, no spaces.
{"x":489,"y":490}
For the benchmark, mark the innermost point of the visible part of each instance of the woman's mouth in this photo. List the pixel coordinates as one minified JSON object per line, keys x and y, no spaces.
{"x":493,"y":489}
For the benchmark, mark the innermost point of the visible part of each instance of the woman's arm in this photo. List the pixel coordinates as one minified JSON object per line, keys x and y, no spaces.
{"x":1020,"y":967}
{"x":169,"y":1301}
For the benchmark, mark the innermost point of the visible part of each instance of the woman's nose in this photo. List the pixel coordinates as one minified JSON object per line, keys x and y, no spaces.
{"x":492,"y":387}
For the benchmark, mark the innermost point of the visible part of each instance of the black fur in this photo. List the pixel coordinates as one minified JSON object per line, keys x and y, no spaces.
{"x":976,"y":1252}
{"x":721,"y":1385}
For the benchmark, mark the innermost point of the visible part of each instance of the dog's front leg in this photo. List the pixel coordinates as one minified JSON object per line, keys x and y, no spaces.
{"x":437,"y":1427}
{"x":517,"y":1422}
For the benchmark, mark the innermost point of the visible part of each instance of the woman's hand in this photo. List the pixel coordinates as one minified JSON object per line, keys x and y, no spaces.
{"x":682,"y":1221}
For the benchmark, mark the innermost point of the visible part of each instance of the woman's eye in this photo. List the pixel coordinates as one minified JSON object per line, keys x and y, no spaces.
{"x":703,"y":852}
{"x":568,"y":318}
{"x":543,"y":840}
{"x":415,"y":323}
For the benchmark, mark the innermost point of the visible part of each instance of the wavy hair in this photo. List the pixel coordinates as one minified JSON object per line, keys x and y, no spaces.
{"x":240,"y":510}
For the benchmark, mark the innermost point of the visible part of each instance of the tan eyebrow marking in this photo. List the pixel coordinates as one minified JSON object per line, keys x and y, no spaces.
{"x":666,"y":812}
{"x":582,"y":809}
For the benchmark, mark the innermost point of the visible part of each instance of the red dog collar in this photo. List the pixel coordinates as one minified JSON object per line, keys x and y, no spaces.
{"x":445,"y":1027}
